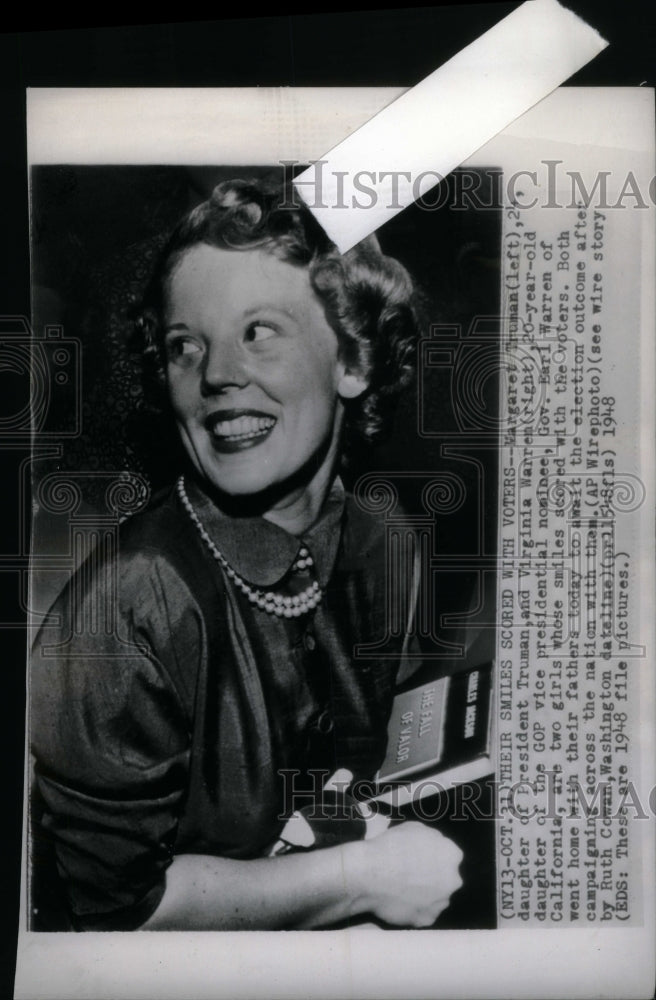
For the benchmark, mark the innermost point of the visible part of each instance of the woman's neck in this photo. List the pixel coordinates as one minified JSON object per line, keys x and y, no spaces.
{"x":297,"y":511}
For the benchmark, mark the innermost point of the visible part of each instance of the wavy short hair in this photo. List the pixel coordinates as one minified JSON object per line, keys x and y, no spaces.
{"x":369,"y":298}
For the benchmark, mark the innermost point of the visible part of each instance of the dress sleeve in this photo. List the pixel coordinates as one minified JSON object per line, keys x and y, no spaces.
{"x":110,"y":738}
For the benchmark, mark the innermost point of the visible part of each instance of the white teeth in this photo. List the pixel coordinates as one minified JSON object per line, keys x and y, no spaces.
{"x":246,"y":426}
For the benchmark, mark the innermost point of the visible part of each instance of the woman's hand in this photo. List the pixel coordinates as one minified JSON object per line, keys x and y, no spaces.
{"x":406,"y":876}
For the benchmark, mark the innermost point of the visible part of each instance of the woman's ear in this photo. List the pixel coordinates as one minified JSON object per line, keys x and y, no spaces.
{"x":351,"y":384}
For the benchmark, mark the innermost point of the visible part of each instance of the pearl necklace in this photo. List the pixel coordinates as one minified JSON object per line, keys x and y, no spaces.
{"x":270,"y":601}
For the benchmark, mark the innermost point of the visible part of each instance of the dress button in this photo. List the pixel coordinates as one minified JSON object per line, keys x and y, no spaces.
{"x":309,"y":641}
{"x":325,"y":723}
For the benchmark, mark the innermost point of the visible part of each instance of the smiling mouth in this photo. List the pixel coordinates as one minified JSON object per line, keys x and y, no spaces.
{"x":234,"y":430}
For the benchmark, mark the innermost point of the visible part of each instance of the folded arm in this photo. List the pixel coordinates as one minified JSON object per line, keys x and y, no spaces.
{"x":404,"y":877}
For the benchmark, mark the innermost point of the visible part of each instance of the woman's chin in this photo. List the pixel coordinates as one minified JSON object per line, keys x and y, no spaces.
{"x":249,"y":492}
{"x":242,"y":472}
{"x":261,"y":478}
{"x":242,"y":485}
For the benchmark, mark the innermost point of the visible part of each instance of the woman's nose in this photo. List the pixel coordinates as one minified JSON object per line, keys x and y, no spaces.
{"x":225,"y":366}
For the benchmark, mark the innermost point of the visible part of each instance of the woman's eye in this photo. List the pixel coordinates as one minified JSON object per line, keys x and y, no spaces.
{"x":182,"y":347}
{"x":259,"y":331}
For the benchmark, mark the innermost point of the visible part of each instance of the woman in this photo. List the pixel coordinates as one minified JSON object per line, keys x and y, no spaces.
{"x":175,"y":736}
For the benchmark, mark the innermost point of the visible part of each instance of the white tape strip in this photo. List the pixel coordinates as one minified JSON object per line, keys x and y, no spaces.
{"x":408,"y":147}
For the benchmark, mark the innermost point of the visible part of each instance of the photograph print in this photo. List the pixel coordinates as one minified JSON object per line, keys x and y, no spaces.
{"x":264,"y":556}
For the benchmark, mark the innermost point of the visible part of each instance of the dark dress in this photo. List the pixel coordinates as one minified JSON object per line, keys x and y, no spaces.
{"x":169,"y":715}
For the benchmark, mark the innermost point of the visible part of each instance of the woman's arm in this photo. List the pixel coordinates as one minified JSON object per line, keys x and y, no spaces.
{"x":404,"y":877}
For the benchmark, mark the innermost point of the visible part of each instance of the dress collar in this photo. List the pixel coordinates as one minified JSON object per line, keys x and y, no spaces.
{"x":262,"y":552}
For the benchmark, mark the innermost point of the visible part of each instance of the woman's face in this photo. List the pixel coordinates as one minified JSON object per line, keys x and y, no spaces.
{"x":252,"y":366}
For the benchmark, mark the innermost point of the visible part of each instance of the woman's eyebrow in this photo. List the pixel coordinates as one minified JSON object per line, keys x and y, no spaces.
{"x":175,"y":326}
{"x":270,"y":308}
